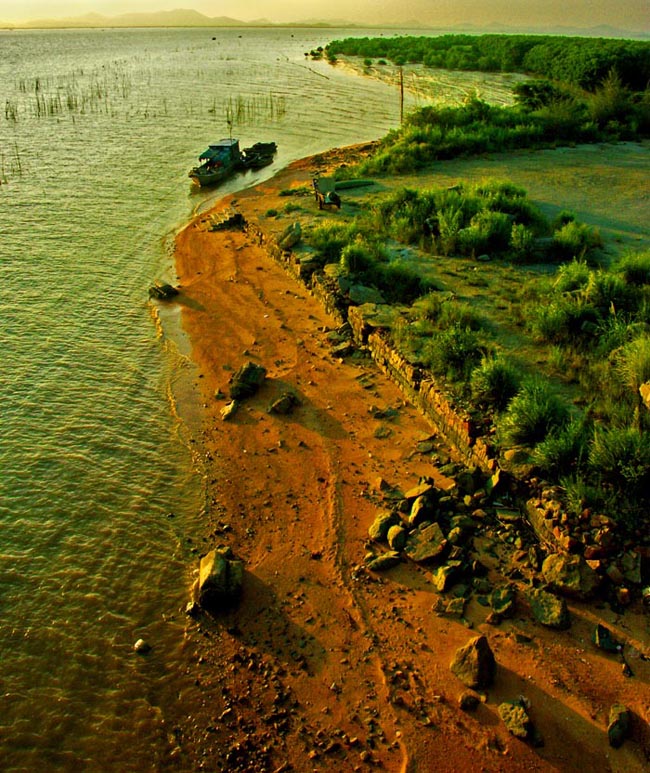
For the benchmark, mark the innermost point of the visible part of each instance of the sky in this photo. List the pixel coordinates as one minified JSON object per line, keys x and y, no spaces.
{"x":625,"y":14}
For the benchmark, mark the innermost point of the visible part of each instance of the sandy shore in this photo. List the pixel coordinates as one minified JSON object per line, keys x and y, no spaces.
{"x":325,"y":666}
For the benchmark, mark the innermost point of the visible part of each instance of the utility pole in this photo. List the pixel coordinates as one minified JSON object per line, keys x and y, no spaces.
{"x":401,"y":94}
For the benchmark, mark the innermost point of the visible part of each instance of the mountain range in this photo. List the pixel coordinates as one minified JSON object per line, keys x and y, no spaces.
{"x":191,"y":18}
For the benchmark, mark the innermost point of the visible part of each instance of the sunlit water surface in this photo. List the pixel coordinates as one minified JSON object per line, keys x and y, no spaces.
{"x":100,"y":491}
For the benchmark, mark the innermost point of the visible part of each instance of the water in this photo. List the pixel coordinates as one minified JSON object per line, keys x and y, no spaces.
{"x":98,"y":133}
{"x":101,"y":492}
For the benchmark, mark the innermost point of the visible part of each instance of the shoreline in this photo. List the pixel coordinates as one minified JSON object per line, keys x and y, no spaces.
{"x":325,"y":664}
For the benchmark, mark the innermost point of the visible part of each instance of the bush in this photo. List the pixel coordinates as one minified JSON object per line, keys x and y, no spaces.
{"x":572,"y":276}
{"x":562,"y":450}
{"x":566,"y":321}
{"x":495,"y":382}
{"x":634,"y":268}
{"x":330,"y":238}
{"x":454,"y":352}
{"x":610,"y":293}
{"x":532,"y":414}
{"x":633,"y":363}
{"x":522,"y":241}
{"x":575,"y":240}
{"x":622,"y":457}
{"x":358,"y":259}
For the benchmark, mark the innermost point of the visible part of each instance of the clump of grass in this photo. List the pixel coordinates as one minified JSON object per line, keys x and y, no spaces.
{"x":454,"y":352}
{"x":495,"y":382}
{"x":532,"y":414}
{"x":634,"y":267}
{"x":562,"y":450}
{"x":621,"y":456}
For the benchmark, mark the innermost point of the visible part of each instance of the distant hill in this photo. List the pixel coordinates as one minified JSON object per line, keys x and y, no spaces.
{"x":191,"y":18}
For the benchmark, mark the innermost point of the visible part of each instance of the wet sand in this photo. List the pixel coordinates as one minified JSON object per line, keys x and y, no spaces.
{"x":324,"y":665}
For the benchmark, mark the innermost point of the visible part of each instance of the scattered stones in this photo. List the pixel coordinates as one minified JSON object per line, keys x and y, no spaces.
{"x":396,"y":537}
{"x":219,"y":585}
{"x":284,"y":404}
{"x":426,"y":543}
{"x":548,"y":609}
{"x":605,"y":640}
{"x":246,"y":380}
{"x":384,"y":561}
{"x":502,"y":601}
{"x":515,"y":717}
{"x":570,"y":575}
{"x":378,"y":529}
{"x":163,"y":292}
{"x":142,"y":647}
{"x":229,"y":410}
{"x":618,"y":728}
{"x":474,"y":664}
{"x":469,"y":701}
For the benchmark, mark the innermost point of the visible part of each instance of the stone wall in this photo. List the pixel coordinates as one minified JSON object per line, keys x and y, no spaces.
{"x":417,"y":385}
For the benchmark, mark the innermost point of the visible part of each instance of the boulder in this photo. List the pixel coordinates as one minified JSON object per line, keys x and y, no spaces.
{"x":474,"y":664}
{"x":570,"y":575}
{"x":246,"y":380}
{"x":619,"y":725}
{"x":162,"y":292}
{"x":548,"y":609}
{"x":220,"y":580}
{"x":426,"y":543}
{"x":446,"y":575}
{"x":396,"y":537}
{"x":284,"y":404}
{"x":383,"y":521}
{"x":422,"y":509}
{"x":502,"y":600}
{"x":229,"y":410}
{"x":605,"y":640}
{"x":515,"y":718}
{"x":384,"y":561}
{"x":291,"y":235}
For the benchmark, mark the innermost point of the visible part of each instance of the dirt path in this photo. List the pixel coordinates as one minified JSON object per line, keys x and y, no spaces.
{"x":326,"y":666}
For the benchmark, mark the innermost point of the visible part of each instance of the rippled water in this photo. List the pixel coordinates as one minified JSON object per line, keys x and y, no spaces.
{"x":100,"y":493}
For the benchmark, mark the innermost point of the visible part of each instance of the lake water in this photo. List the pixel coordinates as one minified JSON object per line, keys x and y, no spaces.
{"x":101,"y":491}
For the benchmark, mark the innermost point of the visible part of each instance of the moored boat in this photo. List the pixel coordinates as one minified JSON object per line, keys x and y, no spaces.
{"x":221,"y":160}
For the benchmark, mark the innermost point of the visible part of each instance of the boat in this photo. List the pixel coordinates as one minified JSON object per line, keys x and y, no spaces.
{"x":220,"y":161}
{"x":258,"y":155}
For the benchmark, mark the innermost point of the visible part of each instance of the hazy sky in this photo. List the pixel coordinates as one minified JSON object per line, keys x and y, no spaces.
{"x":625,"y":14}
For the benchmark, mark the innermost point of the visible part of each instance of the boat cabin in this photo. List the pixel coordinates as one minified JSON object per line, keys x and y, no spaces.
{"x":222,"y":153}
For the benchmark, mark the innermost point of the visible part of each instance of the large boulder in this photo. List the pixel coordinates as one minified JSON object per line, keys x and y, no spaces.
{"x":426,"y":543}
{"x":570,"y":575}
{"x":618,"y":728}
{"x":246,"y":380}
{"x":548,"y":609}
{"x":378,"y":529}
{"x":474,"y":664}
{"x":219,"y":585}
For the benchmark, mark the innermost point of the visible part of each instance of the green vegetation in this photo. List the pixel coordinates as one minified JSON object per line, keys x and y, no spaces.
{"x":583,"y":62}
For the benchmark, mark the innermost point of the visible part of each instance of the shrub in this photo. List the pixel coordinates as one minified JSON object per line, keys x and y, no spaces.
{"x":401,"y":282}
{"x":454,"y":352}
{"x":634,"y":267}
{"x":460,"y":314}
{"x":575,"y":240}
{"x":565,"y":321}
{"x":572,"y":276}
{"x":622,"y":457}
{"x":581,"y":493}
{"x":495,"y":382}
{"x":522,"y":241}
{"x":534,"y":412}
{"x":428,"y":307}
{"x":358,"y":259}
{"x":633,"y":363}
{"x":609,"y":292}
{"x":330,"y":238}
{"x":562,"y":450}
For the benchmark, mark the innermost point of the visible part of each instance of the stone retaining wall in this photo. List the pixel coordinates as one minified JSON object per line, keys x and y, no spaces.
{"x":419,"y":387}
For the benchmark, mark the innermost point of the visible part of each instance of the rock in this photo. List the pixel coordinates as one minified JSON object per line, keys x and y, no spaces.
{"x":284,"y":404}
{"x":474,"y":664}
{"x":548,"y":609}
{"x":570,"y":575}
{"x":631,"y":564}
{"x":142,"y":647}
{"x":446,"y":575}
{"x":291,"y":235}
{"x":246,"y":380}
{"x":426,"y":543}
{"x":384,"y":561}
{"x":162,"y":292}
{"x":618,"y":728}
{"x":468,"y":701}
{"x":383,"y":521}
{"x":396,"y":537}
{"x":502,"y":601}
{"x":422,"y":509}
{"x":605,"y":640}
{"x":423,"y":488}
{"x":455,"y":607}
{"x":360,"y":294}
{"x":229,"y":410}
{"x":515,"y":718}
{"x":220,"y":580}
{"x":644,"y":391}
